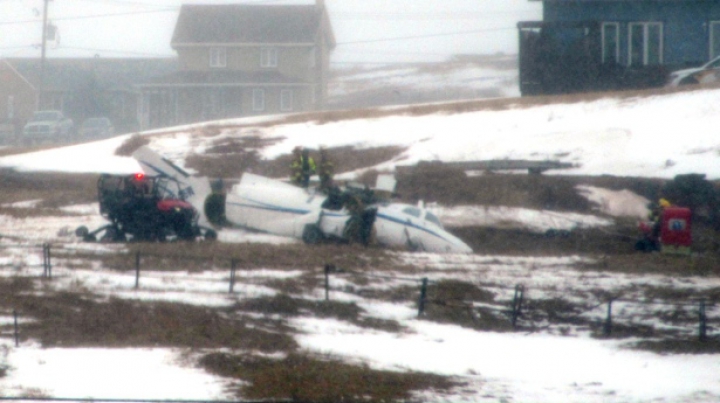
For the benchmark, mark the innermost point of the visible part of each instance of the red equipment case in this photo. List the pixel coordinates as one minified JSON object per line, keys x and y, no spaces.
{"x":676,"y":230}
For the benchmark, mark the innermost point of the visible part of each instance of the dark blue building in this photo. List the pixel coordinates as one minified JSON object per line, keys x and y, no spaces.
{"x":586,"y":45}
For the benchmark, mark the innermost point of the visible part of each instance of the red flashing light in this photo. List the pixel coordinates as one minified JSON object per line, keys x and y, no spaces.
{"x":139,"y":176}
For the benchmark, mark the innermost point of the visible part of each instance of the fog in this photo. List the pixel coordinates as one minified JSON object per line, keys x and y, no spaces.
{"x":368,"y":31}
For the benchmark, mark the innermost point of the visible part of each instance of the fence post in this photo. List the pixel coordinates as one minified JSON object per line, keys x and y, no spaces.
{"x":702,"y":333}
{"x":232,"y":275}
{"x":47,"y":264}
{"x":44,"y":253}
{"x":423,"y":296}
{"x":607,"y":327}
{"x":517,"y":304}
{"x":328,"y":268}
{"x":15,"y":317}
{"x":137,"y":270}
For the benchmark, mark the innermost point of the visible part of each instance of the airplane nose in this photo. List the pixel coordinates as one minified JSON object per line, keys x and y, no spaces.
{"x":459,"y":247}
{"x":456,"y":245}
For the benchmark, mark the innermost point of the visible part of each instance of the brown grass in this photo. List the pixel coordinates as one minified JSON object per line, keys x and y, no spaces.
{"x":72,"y":319}
{"x":232,"y":157}
{"x":54,"y":189}
{"x":130,"y":145}
{"x":306,"y":378}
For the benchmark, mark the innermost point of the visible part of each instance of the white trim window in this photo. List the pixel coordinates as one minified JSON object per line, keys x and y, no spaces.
{"x":268,"y":57}
{"x":645,"y":43}
{"x":258,"y":100}
{"x":11,"y":107}
{"x":610,"y":42}
{"x":313,"y":57}
{"x":218,"y":57}
{"x":714,"y":33}
{"x":286,"y":100}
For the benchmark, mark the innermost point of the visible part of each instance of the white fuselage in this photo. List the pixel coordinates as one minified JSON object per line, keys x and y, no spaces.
{"x":276,"y":207}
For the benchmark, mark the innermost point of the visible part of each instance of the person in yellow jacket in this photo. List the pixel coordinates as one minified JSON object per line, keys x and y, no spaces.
{"x":656,"y":215}
{"x":302,"y":167}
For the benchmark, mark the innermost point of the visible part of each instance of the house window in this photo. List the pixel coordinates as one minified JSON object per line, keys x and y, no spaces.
{"x":268,"y":57}
{"x":10,"y":107}
{"x":714,"y":39}
{"x":218,"y":57}
{"x":258,"y":100}
{"x":646,"y":41}
{"x":286,"y":100}
{"x":313,"y":55}
{"x":610,"y":42}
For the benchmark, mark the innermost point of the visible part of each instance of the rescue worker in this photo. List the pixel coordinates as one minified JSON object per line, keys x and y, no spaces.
{"x":308,"y":167}
{"x":354,"y":225}
{"x":296,"y":165}
{"x":656,"y":216}
{"x":302,"y":167}
{"x":326,"y":170}
{"x":360,"y":227}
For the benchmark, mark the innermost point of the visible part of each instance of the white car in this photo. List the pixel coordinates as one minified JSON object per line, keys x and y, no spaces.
{"x":707,"y":73}
{"x":50,"y":126}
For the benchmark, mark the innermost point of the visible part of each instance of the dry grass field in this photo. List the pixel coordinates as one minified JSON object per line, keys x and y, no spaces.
{"x":78,"y":317}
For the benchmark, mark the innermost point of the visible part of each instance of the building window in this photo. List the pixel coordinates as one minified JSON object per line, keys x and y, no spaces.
{"x":258,"y":100}
{"x":714,"y":39}
{"x":268,"y":57}
{"x":11,"y":107}
{"x":286,"y":100}
{"x":610,"y":42}
{"x":218,"y":57}
{"x":313,"y":55}
{"x":645,"y":43}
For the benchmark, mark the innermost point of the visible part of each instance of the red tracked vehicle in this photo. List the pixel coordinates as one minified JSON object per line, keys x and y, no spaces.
{"x":143,"y":208}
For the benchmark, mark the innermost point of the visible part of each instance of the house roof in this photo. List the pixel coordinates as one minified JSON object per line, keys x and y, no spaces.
{"x":242,"y":23}
{"x":69,"y":74}
{"x":223,"y":78}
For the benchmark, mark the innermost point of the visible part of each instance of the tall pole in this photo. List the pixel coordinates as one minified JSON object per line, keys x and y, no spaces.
{"x":41,"y":92}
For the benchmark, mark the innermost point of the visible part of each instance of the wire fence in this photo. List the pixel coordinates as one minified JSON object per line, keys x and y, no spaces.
{"x":514,"y":310}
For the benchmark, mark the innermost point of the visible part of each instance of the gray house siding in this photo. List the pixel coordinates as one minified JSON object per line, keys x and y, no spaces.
{"x":240,"y":60}
{"x":686,"y":25}
{"x":590,"y":45}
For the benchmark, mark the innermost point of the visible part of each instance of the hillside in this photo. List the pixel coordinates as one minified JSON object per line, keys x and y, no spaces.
{"x":287,"y":329}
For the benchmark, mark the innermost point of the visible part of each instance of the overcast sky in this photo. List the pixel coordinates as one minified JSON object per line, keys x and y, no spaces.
{"x":367,"y":31}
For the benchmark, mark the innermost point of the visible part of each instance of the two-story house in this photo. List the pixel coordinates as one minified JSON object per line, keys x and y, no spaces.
{"x":583,"y":45}
{"x":242,"y":60}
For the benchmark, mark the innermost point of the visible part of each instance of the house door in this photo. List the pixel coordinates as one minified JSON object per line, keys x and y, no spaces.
{"x":646,"y":42}
{"x":714,"y":39}
{"x":213,"y":105}
{"x":159,"y":108}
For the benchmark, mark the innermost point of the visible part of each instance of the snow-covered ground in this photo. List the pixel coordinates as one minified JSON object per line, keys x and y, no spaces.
{"x":658,"y":136}
{"x":455,"y":79}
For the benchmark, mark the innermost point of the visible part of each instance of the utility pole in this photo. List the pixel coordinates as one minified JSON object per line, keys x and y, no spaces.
{"x":41,"y":93}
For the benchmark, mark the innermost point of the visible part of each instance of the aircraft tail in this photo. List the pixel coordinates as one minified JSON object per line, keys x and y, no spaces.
{"x":194,"y":189}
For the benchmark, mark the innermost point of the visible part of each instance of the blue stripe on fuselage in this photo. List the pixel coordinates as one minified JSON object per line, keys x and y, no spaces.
{"x":270,"y":207}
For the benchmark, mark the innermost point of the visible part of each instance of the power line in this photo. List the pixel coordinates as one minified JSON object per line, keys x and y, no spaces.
{"x":85,"y":17}
{"x":403,"y":38}
{"x":127,"y":52}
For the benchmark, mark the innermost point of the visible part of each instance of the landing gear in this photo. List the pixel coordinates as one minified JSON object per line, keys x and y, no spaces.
{"x":312,"y":235}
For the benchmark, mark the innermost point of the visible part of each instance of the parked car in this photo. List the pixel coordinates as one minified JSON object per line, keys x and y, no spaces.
{"x":7,"y":132}
{"x":707,"y":73}
{"x":96,"y":128}
{"x":50,"y":126}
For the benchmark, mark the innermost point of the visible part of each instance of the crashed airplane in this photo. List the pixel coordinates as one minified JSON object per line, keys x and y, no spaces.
{"x":276,"y":207}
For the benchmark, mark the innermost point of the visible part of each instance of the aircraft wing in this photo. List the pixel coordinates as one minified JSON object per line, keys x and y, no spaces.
{"x":194,"y":189}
